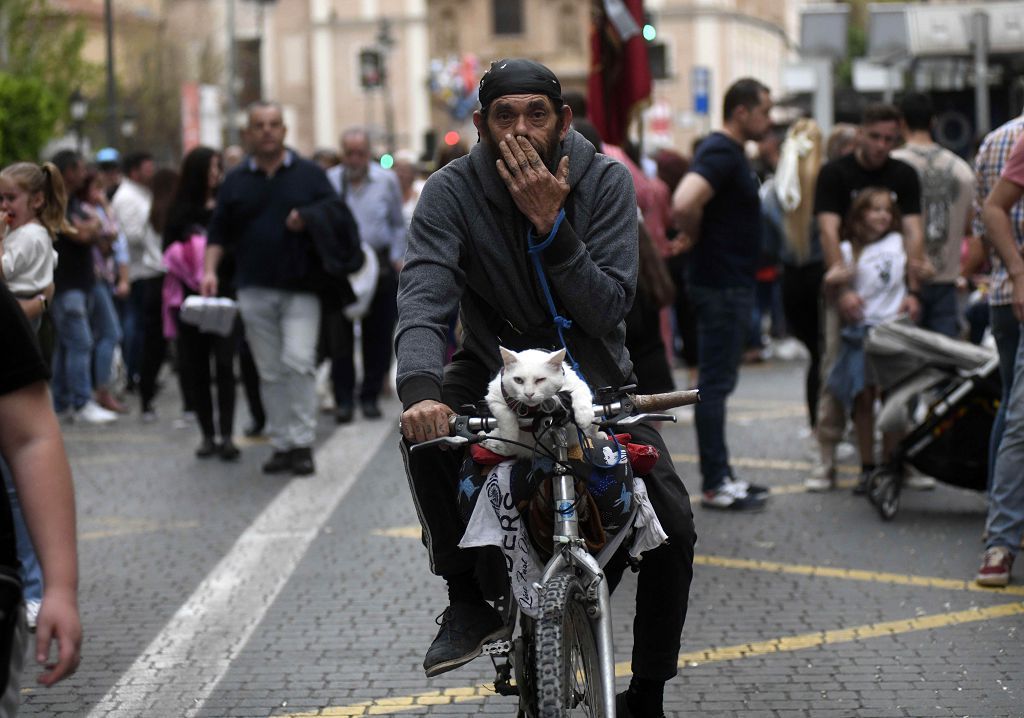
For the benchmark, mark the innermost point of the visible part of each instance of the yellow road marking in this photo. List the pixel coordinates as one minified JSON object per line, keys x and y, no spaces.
{"x":770,"y":464}
{"x":409,"y":532}
{"x":112,"y":438}
{"x":400,"y":704}
{"x":781,"y":412}
{"x":848,"y":574}
{"x":126,"y":527}
{"x":852,"y":574}
{"x":843,"y":635}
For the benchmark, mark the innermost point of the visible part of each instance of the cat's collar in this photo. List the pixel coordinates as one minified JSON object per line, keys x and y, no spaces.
{"x":515,"y":405}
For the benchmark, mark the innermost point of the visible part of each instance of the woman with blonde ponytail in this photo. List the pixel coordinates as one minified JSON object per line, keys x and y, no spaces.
{"x":803,"y":265}
{"x":33,"y":202}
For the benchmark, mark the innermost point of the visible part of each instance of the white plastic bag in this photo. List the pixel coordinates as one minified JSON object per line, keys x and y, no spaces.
{"x":364,"y":284}
{"x":212,"y":315}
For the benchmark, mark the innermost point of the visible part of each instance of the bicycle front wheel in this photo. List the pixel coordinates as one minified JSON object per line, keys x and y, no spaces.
{"x":568,"y":668}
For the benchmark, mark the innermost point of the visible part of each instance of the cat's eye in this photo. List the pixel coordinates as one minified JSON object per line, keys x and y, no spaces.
{"x":540,"y":379}
{"x":518,"y":379}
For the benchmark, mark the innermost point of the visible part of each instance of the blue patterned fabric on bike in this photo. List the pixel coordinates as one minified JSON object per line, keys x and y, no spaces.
{"x":602,"y":469}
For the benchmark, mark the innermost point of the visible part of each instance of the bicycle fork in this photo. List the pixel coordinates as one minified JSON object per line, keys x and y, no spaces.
{"x":575,"y":555}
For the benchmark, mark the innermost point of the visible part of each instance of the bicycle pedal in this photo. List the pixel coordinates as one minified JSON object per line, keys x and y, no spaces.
{"x":496,"y":648}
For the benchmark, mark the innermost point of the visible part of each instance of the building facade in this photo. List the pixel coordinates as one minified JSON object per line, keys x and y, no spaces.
{"x":437,"y":49}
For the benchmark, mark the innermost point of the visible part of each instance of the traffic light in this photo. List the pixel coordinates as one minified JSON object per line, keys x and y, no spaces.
{"x":371,"y":68}
{"x":649,"y":31}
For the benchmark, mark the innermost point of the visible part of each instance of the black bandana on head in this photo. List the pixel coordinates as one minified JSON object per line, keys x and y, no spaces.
{"x":518,"y":76}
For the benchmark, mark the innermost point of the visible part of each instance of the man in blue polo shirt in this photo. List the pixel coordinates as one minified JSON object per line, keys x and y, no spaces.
{"x":257,"y":218}
{"x":717,"y":210}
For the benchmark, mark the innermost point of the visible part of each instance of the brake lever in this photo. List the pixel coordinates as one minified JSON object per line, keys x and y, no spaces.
{"x":450,"y":441}
{"x":636,"y":419}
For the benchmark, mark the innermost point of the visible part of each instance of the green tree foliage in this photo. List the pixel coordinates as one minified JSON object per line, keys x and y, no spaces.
{"x":40,"y":65}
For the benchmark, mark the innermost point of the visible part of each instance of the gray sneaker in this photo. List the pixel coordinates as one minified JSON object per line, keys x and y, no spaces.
{"x":465,"y":628}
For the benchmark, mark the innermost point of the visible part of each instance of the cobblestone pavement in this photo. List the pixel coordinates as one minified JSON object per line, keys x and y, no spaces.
{"x":212,"y":590}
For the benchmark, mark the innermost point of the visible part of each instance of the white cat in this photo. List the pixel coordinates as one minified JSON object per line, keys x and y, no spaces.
{"x":527,"y":379}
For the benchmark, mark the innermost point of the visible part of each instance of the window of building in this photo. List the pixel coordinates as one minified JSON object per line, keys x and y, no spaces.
{"x":508,"y":17}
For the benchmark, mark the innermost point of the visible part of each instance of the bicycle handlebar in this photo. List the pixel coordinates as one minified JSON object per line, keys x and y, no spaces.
{"x":628,"y":409}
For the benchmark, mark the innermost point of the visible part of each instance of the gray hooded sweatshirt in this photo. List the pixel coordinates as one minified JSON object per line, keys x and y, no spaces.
{"x":468,"y":249}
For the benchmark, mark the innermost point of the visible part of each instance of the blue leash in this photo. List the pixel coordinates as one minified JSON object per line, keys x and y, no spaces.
{"x":561,"y":323}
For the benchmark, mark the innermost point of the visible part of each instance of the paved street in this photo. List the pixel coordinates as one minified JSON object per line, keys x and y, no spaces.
{"x":211,"y":590}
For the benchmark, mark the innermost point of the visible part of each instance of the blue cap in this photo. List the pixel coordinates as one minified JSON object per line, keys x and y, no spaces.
{"x":108,"y":155}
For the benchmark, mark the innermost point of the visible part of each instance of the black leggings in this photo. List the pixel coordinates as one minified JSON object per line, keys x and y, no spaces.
{"x":195,"y":349}
{"x":154,"y":346}
{"x":663,"y":585}
{"x":801,"y":301}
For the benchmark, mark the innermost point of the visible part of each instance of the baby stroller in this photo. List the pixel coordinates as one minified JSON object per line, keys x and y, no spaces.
{"x":944,"y":394}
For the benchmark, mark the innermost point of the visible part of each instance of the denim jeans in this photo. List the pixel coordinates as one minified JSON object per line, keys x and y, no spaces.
{"x":1006,"y":494}
{"x":131,"y":327}
{"x":106,"y":330}
{"x":72,"y":356}
{"x":723,"y":318}
{"x":939,"y":311}
{"x":282,"y":329}
{"x":31,"y":572}
{"x":1006,"y":332}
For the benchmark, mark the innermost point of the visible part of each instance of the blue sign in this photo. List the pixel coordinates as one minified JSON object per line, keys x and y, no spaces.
{"x":701,"y":83}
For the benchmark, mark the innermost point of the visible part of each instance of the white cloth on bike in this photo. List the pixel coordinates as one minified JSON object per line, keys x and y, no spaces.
{"x":649,"y":531}
{"x":497,"y":522}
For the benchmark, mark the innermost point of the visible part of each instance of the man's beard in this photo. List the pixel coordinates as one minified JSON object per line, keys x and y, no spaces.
{"x":549,"y":157}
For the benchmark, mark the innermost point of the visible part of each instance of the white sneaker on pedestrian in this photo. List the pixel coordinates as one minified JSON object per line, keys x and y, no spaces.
{"x":32,"y":607}
{"x":823,"y":478}
{"x":731,"y":496}
{"x":919,"y":482}
{"x":845,"y":451}
{"x":93,"y":413}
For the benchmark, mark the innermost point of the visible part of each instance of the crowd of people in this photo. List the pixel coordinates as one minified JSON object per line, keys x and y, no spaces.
{"x":825,"y":238}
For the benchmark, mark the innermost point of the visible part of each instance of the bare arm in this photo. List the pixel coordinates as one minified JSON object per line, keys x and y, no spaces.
{"x":976,"y":256}
{"x":913,"y":244}
{"x":89,"y":230}
{"x":688,"y":202}
{"x":995,"y":213}
{"x":839,"y":276}
{"x":30,"y":439}
{"x":33,"y":307}
{"x":828,"y":231}
{"x":211,"y":259}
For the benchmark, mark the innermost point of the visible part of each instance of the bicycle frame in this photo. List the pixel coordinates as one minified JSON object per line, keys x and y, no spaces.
{"x":571,"y":553}
{"x":615,"y":407}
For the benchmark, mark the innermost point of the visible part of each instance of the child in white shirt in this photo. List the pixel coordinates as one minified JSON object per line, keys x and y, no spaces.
{"x":32,"y":203}
{"x":874,"y":266}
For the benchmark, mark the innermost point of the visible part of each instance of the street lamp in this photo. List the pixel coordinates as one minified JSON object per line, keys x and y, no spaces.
{"x":129,"y":126}
{"x":385,"y":41}
{"x":79,"y":107}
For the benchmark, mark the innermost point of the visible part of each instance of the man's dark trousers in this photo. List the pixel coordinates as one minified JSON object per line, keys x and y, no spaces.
{"x":378,"y":329}
{"x":663,"y":584}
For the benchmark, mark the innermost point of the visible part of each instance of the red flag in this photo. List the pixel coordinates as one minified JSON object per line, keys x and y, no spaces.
{"x":619,"y":85}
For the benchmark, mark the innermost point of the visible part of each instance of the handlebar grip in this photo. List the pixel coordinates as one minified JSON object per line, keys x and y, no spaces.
{"x":669,"y":400}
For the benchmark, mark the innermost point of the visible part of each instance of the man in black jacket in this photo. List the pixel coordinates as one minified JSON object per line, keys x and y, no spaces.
{"x":258,"y":215}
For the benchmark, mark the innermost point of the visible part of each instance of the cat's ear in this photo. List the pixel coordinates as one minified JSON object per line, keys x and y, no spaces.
{"x":556,"y":358}
{"x":509,"y":357}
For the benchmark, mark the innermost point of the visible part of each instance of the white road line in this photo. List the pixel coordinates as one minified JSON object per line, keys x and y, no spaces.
{"x":182,"y":666}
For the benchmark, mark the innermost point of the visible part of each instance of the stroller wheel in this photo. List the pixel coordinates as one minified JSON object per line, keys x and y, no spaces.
{"x":884,"y":494}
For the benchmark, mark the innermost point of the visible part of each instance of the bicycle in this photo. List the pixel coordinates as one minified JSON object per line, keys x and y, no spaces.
{"x":562,"y":661}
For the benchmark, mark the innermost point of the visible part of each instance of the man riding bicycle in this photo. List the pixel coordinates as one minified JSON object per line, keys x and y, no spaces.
{"x":528,"y":174}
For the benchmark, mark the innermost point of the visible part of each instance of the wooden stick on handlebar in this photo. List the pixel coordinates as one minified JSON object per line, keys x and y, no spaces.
{"x":669,"y":400}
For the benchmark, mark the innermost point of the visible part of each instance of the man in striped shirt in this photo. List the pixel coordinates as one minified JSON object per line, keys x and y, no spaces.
{"x":1006,"y":491}
{"x":988,"y":165}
